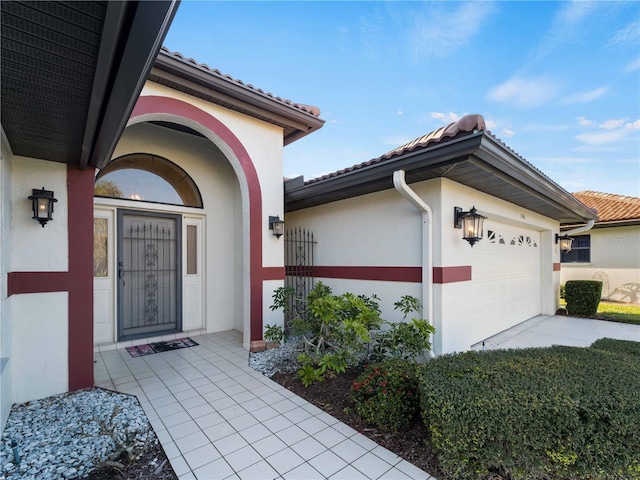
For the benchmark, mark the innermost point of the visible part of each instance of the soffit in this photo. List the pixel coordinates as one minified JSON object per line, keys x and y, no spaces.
{"x":71,"y":72}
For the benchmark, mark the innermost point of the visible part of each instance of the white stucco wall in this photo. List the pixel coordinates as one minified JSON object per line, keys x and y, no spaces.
{"x":38,"y":322}
{"x":6,"y":392}
{"x":615,"y":260}
{"x":379,"y":229}
{"x":40,"y":332}
{"x":383,"y":229}
{"x":36,"y":248}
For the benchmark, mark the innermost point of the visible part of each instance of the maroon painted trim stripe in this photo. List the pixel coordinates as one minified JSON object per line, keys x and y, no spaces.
{"x":273,"y":273}
{"x":37,"y":282}
{"x":149,"y":105}
{"x":556,"y":267}
{"x":80,"y":221}
{"x":387,"y":274}
{"x":452,"y":274}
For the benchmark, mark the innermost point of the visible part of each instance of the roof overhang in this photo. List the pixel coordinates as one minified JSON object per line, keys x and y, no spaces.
{"x":197,"y":80}
{"x":476,"y":160}
{"x":72,"y":72}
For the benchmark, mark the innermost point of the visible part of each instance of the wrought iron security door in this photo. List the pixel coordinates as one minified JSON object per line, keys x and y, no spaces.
{"x":149,"y":274}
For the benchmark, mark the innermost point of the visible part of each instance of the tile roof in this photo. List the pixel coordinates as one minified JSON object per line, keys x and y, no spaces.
{"x":611,"y":207}
{"x":467,"y":124}
{"x":464,"y":126}
{"x":309,"y":109}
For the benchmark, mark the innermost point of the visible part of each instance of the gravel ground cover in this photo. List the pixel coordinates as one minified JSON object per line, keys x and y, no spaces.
{"x":71,"y":435}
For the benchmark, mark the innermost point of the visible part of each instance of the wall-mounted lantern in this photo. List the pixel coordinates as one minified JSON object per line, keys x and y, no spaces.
{"x":42,"y":205}
{"x":470,"y":222}
{"x":565,"y":243}
{"x":277,"y":226}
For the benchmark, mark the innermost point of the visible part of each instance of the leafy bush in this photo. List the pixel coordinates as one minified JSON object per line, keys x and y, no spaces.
{"x":561,"y":412}
{"x":627,"y":347}
{"x":583,"y":297}
{"x":386,"y":394}
{"x":405,"y":340}
{"x":273,"y":333}
{"x":336,"y":330}
{"x":562,"y":291}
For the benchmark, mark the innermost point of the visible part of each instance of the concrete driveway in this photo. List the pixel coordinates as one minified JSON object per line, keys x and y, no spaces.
{"x":548,"y":330}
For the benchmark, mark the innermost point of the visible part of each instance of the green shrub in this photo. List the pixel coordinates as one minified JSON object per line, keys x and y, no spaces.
{"x":583,"y":297}
{"x":562,"y":291}
{"x":385,"y":394}
{"x":628,"y":347}
{"x":560,"y":412}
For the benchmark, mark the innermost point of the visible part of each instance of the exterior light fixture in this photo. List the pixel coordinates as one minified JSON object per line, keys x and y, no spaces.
{"x":565,"y":243}
{"x":277,"y":226}
{"x":470,"y":222}
{"x":42,"y":205}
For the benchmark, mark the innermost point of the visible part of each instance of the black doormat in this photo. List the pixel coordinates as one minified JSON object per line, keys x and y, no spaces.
{"x":158,"y":347}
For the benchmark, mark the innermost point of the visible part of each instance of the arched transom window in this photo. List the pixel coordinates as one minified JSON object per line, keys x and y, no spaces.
{"x":147,"y":178}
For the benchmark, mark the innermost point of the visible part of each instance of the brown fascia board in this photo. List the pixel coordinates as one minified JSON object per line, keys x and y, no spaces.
{"x":236,"y":94}
{"x":147,"y":23}
{"x":440,"y":154}
{"x":504,"y":163}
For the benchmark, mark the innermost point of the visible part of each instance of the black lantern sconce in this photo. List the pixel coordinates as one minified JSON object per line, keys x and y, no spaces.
{"x":565,"y":243}
{"x":470,"y":222}
{"x":42,"y":205}
{"x":277,"y":226}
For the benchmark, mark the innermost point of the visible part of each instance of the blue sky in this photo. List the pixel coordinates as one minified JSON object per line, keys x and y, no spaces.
{"x":558,"y":82}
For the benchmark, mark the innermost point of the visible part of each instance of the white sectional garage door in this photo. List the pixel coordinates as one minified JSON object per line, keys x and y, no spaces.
{"x":506,"y":275}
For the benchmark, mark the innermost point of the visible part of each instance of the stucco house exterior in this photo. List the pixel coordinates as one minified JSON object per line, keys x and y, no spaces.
{"x":377,"y":235}
{"x":610,"y":252}
{"x":168,"y":177}
{"x":187,"y":168}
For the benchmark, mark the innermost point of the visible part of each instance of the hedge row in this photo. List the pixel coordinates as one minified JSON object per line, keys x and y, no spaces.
{"x":552,"y":413}
{"x":619,"y":346}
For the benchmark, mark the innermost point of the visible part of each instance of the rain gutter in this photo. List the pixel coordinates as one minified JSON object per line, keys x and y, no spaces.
{"x":427,"y":250}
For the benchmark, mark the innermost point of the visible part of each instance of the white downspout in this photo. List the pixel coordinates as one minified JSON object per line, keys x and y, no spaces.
{"x":584,"y":228}
{"x":427,"y":249}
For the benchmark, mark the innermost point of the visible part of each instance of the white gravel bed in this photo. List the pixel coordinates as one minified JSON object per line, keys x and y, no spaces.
{"x":274,"y":360}
{"x":66,"y":436}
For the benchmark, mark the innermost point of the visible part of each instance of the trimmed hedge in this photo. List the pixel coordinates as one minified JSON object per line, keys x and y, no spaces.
{"x":583,"y":297}
{"x":552,"y":413}
{"x":628,"y":347}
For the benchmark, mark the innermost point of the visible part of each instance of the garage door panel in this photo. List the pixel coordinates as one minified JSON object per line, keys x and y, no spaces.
{"x":506,"y":276}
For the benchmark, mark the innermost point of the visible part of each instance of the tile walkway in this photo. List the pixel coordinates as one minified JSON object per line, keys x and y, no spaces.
{"x":217,"y":418}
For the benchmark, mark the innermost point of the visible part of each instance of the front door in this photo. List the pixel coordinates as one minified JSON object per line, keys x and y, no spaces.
{"x":149,"y":274}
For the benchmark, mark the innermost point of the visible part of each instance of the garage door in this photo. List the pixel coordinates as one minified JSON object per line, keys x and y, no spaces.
{"x":506,"y":277}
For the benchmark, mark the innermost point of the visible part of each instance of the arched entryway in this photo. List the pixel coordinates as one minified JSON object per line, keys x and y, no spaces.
{"x":216,"y":162}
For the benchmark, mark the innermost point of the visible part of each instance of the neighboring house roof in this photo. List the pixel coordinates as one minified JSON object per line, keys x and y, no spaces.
{"x":464,"y":152}
{"x":176,"y":71}
{"x":72,"y":72}
{"x":612,"y":209}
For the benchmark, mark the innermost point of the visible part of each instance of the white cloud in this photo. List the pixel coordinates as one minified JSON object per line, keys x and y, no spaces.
{"x":633,"y":125}
{"x":572,"y":13}
{"x":491,"y":125}
{"x":597,"y":138}
{"x":633,"y":65}
{"x":628,"y":35}
{"x":611,"y":124}
{"x":585,"y":97}
{"x":507,"y":132}
{"x":400,"y":112}
{"x":585,"y":122}
{"x":449,"y":117}
{"x":524,"y":92}
{"x":439,"y":31}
